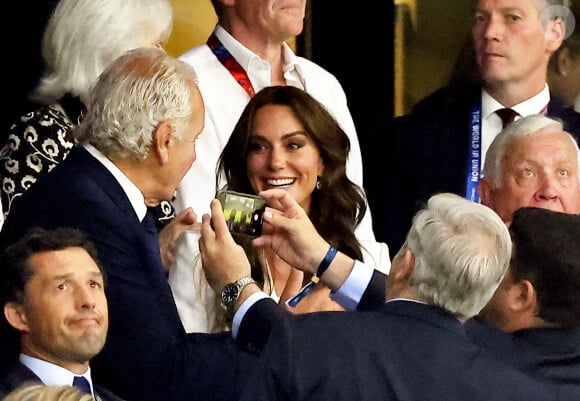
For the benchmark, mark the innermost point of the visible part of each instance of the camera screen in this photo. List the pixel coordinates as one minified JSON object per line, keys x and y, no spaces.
{"x":243,"y":213}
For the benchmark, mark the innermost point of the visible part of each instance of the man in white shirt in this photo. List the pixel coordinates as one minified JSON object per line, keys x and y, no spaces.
{"x":245,"y":53}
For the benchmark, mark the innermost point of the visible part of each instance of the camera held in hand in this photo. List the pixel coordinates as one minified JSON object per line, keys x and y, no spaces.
{"x":243,"y":212}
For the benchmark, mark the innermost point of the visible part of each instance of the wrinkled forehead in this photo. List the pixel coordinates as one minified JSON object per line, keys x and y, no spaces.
{"x":548,"y":138}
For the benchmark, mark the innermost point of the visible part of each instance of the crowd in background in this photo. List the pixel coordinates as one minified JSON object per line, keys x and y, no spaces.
{"x":119,"y":274}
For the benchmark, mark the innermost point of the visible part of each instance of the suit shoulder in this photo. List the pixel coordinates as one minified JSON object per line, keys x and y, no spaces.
{"x":448,"y":98}
{"x":569,"y":117}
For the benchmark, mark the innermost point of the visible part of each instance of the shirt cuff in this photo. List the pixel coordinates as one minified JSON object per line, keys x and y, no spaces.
{"x":353,"y":288}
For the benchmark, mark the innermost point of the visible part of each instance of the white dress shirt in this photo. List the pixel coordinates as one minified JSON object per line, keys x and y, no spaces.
{"x":53,"y":375}
{"x":131,"y":190}
{"x":224,"y":101}
{"x":491,"y":123}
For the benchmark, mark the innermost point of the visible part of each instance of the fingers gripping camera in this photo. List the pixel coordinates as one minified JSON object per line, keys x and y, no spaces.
{"x":243,"y":212}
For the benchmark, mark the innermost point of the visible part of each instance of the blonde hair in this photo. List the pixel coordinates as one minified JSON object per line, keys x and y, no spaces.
{"x":33,"y":391}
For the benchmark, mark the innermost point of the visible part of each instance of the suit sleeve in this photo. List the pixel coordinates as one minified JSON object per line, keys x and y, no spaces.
{"x":258,"y":324}
{"x":374,"y":295}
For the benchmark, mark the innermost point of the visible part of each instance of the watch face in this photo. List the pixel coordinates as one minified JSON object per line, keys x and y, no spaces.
{"x":230,"y":293}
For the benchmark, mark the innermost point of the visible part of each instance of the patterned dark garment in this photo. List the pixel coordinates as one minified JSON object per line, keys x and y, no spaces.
{"x":36,"y":143}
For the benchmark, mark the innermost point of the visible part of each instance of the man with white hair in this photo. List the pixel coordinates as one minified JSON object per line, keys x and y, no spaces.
{"x":532,"y":162}
{"x":414,"y":347}
{"x":440,"y":145}
{"x":136,"y":142}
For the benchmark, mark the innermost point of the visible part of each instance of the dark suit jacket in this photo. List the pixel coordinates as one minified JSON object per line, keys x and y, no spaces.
{"x":426,"y":153}
{"x":148,"y":355}
{"x":406,"y":351}
{"x":19,"y":374}
{"x":548,"y":353}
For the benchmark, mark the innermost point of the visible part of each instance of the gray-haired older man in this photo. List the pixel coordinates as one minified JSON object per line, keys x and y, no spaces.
{"x":532,"y":162}
{"x":438,"y":147}
{"x":414,"y":346}
{"x":137,"y":142}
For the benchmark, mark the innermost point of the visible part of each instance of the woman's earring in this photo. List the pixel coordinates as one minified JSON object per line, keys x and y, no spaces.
{"x":318,"y":182}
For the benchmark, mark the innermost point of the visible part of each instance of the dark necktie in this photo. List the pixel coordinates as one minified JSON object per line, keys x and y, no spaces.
{"x":82,"y":383}
{"x":149,"y":223}
{"x":507,"y":116}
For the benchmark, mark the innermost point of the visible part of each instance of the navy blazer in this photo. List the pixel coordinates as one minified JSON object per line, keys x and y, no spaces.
{"x":20,"y":374}
{"x":551,"y":354}
{"x":147,"y":355}
{"x":407,"y":351}
{"x":427,"y":152}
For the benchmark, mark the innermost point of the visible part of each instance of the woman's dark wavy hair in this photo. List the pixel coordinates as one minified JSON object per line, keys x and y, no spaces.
{"x":339,"y":205}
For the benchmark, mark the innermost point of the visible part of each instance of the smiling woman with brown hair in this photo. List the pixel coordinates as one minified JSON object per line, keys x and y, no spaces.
{"x":287,"y":139}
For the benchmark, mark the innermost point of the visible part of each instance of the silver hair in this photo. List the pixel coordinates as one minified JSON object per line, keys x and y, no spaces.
{"x":133,"y":95}
{"x":525,"y":126}
{"x":462,"y":250}
{"x":83,"y":37}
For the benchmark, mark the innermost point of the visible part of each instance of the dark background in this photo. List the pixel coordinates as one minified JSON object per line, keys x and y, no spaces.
{"x":21,"y":47}
{"x":354,"y":41}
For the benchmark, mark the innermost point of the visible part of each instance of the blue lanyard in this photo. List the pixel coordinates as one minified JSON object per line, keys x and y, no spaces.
{"x":474,"y":160}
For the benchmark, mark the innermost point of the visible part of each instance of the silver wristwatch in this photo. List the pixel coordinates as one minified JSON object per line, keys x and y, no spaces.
{"x":231,"y":292}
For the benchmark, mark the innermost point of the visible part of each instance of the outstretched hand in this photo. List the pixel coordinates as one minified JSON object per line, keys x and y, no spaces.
{"x":290,"y":233}
{"x":170,"y":234}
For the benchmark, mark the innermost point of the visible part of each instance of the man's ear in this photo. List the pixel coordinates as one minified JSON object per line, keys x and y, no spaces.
{"x":554,"y":33}
{"x":15,"y":316}
{"x":405,"y":265}
{"x":485,"y":191}
{"x":523,"y":296}
{"x":162,"y":140}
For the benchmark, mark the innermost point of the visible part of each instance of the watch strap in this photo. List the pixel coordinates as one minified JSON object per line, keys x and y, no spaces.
{"x":240,"y":284}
